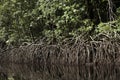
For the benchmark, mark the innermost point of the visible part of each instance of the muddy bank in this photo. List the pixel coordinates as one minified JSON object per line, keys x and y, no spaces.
{"x":81,"y":52}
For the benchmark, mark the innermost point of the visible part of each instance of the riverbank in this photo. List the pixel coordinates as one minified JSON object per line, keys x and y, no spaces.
{"x":80,"y":52}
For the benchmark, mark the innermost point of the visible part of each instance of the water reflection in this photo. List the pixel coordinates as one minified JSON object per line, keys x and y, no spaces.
{"x":57,"y":72}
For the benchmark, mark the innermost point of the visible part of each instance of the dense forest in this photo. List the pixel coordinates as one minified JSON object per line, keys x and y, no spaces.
{"x":60,"y":31}
{"x":56,"y":20}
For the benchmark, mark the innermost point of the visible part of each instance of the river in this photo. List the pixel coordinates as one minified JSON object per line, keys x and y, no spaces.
{"x":58,"y":72}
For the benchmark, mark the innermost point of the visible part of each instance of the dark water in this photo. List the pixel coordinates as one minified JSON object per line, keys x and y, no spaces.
{"x":58,"y":72}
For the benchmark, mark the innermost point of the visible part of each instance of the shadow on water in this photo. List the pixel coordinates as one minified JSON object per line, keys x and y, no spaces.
{"x":58,"y":72}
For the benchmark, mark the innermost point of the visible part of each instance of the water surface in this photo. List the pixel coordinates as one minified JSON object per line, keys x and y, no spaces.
{"x":58,"y":72}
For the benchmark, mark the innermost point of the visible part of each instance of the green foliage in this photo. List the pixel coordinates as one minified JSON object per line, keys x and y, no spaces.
{"x":28,"y":20}
{"x":104,"y":27}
